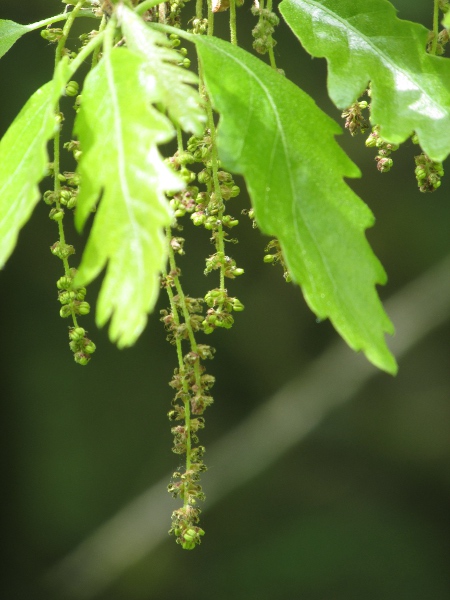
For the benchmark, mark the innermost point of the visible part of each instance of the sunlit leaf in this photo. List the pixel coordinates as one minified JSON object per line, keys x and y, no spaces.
{"x":272,"y":133}
{"x":24,"y":160}
{"x":164,"y":77}
{"x":10,"y":32}
{"x":119,"y":131}
{"x":363,"y":40}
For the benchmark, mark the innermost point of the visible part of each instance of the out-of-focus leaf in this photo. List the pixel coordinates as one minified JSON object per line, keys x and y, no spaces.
{"x":10,"y":32}
{"x":24,"y":160}
{"x":275,"y":136}
{"x":363,"y":40}
{"x":167,"y":81}
{"x":119,"y":131}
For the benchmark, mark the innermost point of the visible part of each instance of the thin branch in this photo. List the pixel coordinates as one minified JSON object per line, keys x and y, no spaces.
{"x":250,"y":448}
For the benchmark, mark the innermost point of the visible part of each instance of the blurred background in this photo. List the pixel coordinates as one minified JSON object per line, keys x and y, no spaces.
{"x":338,"y":491}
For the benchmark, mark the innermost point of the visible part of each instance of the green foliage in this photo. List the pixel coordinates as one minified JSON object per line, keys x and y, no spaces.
{"x":298,"y":193}
{"x":24,"y":160}
{"x":363,"y":41}
{"x":139,"y":95}
{"x":10,"y":32}
{"x":119,"y":132}
{"x":181,"y":101}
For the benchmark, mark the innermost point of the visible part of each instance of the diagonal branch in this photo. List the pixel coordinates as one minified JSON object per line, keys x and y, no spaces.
{"x":248,"y":449}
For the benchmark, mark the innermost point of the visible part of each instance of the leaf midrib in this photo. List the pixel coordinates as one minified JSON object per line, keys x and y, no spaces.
{"x":117,"y":120}
{"x":393,"y":66}
{"x":280,"y":129}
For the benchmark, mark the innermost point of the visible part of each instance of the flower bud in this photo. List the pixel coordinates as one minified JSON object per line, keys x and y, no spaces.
{"x":71,"y":204}
{"x":420,"y":172}
{"x":77,"y":333}
{"x":384,"y":164}
{"x":198,"y":218}
{"x":49,"y":197}
{"x":66,"y":311}
{"x":371,"y":141}
{"x":62,"y":250}
{"x":56,"y":214}
{"x":72,"y":88}
{"x":89,"y":347}
{"x":81,"y":358}
{"x":74,"y":345}
{"x":237,"y":305}
{"x":80,"y":293}
{"x":64,"y":283}
{"x":204,"y":176}
{"x":83,"y":308}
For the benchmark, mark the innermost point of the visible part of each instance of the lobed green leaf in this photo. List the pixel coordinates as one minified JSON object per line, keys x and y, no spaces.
{"x":362,"y":41}
{"x":24,"y":160}
{"x":283,"y":144}
{"x":10,"y":32}
{"x":166,"y":81}
{"x":119,"y":131}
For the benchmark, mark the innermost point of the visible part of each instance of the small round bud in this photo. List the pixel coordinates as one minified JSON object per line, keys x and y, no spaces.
{"x":66,"y":296}
{"x":74,"y":345}
{"x":72,"y":203}
{"x":198,"y":218}
{"x":204,"y":176}
{"x":77,"y":333}
{"x":238,"y":271}
{"x":81,"y":358}
{"x":269,"y":258}
{"x":72,"y":88}
{"x":64,"y":283}
{"x":89,"y":347}
{"x":384,"y":164}
{"x":190,"y":535}
{"x":62,"y":250}
{"x":188,"y":545}
{"x":49,"y":197}
{"x":420,"y":172}
{"x":65,"y":195}
{"x":52,"y":35}
{"x":237,"y":305}
{"x":65,"y":311}
{"x":80,"y":293}
{"x":371,"y":141}
{"x":83,"y":308}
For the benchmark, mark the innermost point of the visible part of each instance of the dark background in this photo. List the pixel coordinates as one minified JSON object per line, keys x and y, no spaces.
{"x":357,"y":509}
